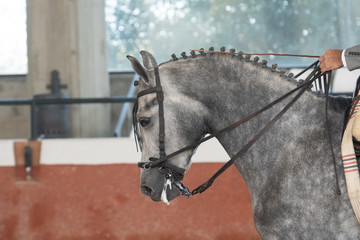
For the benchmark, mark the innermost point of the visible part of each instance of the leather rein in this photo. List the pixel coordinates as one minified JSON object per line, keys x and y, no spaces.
{"x":175,"y":174}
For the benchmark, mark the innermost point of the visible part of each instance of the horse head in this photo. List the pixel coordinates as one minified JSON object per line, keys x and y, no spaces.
{"x":164,"y":122}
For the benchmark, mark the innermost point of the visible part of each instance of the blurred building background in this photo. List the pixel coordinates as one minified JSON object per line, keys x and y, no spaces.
{"x":85,"y":184}
{"x":87,"y":42}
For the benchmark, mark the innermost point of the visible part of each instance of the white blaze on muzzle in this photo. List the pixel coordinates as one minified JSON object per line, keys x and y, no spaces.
{"x":163,"y":193}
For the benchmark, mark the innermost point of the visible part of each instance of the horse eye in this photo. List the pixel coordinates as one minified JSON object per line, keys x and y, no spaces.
{"x":144,"y":121}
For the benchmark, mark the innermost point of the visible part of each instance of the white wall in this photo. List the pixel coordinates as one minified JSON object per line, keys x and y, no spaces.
{"x":101,"y":151}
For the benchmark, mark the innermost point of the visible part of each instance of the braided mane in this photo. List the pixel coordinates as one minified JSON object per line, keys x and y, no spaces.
{"x":256,"y":60}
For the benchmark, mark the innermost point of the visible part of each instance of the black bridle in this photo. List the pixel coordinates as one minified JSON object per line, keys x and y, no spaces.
{"x":169,"y":170}
{"x":176,"y":174}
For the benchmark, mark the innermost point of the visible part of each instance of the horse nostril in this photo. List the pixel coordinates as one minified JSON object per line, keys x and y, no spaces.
{"x":146,"y":190}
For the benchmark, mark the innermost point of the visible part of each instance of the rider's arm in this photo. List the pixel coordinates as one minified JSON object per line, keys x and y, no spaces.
{"x":331,"y":60}
{"x":351,"y":58}
{"x":337,"y":58}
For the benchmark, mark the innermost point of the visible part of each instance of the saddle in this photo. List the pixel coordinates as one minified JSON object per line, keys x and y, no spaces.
{"x":355,"y":131}
{"x":350,"y":151}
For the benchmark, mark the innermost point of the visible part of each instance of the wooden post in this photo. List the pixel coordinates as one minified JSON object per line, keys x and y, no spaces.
{"x":69,"y":36}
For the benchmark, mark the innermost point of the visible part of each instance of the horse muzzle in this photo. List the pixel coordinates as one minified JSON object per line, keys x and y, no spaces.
{"x":153,"y":183}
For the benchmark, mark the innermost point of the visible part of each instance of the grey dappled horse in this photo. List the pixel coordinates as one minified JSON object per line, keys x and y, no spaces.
{"x":289,"y":171}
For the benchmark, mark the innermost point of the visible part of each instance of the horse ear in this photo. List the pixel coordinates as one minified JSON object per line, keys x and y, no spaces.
{"x":138,"y":68}
{"x":148,"y":60}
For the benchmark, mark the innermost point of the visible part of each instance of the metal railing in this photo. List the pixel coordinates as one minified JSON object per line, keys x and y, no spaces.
{"x":126,"y":108}
{"x":34,"y":103}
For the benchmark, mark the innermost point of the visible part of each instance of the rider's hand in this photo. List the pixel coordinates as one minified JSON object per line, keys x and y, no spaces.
{"x":331,"y":60}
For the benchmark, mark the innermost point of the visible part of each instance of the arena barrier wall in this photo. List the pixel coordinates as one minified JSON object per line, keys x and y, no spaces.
{"x":87,"y":189}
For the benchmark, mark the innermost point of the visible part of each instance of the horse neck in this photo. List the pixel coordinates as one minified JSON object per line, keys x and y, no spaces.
{"x":232,"y":89}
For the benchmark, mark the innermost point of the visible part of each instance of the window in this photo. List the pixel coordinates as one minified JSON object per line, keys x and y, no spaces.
{"x":163,"y":27}
{"x":13,"y":57}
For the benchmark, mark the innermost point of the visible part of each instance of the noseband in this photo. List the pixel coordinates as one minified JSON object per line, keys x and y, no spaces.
{"x":176,"y":174}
